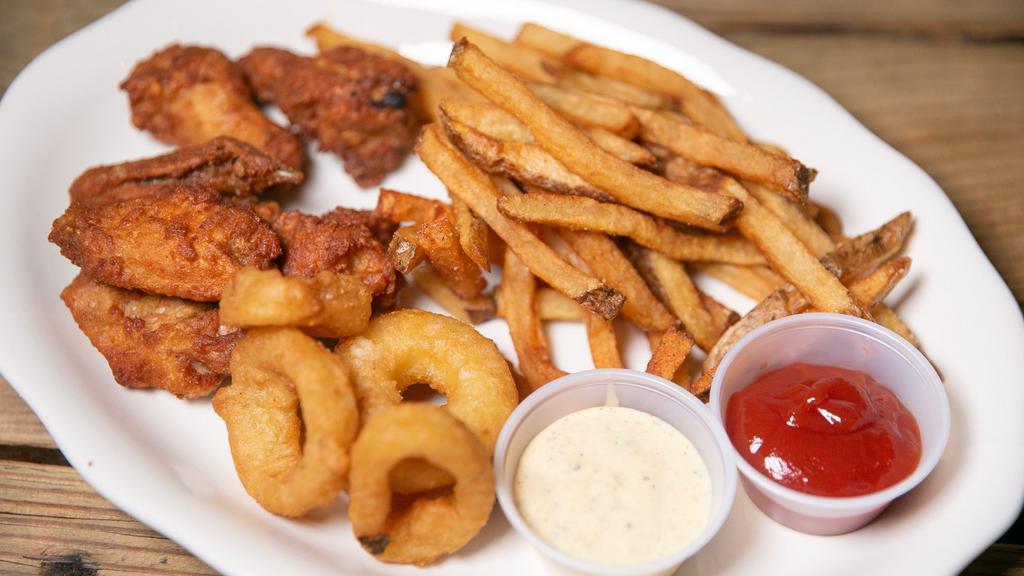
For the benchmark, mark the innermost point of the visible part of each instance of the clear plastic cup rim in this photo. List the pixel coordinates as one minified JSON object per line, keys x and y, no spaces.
{"x":506,"y":498}
{"x":931,"y":381}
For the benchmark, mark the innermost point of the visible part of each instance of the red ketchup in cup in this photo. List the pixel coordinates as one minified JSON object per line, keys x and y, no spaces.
{"x":824,"y":430}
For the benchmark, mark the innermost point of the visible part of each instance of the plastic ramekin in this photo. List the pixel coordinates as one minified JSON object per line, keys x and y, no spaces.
{"x":636,"y":390}
{"x":847,"y":342}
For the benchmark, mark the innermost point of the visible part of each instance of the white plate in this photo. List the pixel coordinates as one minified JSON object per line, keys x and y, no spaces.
{"x":166,"y":461}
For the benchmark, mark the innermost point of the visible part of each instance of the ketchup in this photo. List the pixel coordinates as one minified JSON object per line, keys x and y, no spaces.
{"x":824,"y":430}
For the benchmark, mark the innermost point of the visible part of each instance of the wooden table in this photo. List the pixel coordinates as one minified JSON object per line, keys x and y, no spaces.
{"x":941,"y":81}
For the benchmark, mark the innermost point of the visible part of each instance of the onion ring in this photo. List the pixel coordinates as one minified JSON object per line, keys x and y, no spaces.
{"x":274,"y":372}
{"x":430,"y":527}
{"x":413,"y":346}
{"x":328,"y":305}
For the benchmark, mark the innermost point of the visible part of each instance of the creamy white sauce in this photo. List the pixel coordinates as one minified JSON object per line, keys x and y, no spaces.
{"x":613,"y":485}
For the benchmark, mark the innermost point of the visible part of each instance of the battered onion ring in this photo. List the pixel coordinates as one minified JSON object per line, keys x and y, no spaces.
{"x":413,"y":346}
{"x":274,"y":372}
{"x":328,"y":305}
{"x":430,"y":527}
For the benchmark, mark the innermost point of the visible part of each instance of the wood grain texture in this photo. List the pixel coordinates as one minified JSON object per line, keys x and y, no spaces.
{"x":940,"y":80}
{"x":52,"y":522}
{"x":19,"y":426}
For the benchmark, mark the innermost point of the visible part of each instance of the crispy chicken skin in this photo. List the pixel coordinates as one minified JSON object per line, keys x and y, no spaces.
{"x":183,"y":242}
{"x":356,"y":104}
{"x":186,"y":95}
{"x":153,"y":341}
{"x":339,"y":242}
{"x":225,"y":165}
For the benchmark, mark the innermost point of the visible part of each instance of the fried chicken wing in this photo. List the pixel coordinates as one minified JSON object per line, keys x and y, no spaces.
{"x":338,"y":241}
{"x":224,"y":165}
{"x":153,"y":341}
{"x":186,"y":95}
{"x":184,"y":242}
{"x":356,"y":104}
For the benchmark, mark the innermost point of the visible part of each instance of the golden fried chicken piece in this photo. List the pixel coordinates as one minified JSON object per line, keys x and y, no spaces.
{"x":224,"y":165}
{"x":186,"y":95}
{"x":153,"y":341}
{"x":338,"y":241}
{"x":182,"y":242}
{"x":356,"y":104}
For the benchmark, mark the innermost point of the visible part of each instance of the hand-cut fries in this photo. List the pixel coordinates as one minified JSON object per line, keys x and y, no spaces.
{"x":553,"y":305}
{"x":698,"y":104}
{"x":524,"y":162}
{"x":786,"y":254}
{"x":474,"y":235}
{"x":681,"y":295}
{"x":604,"y":347}
{"x":554,"y":44}
{"x":402,"y":207}
{"x":404,"y":250}
{"x":612,"y":88}
{"x":627,"y":183}
{"x":672,"y":349}
{"x":492,"y":121}
{"x":515,"y":298}
{"x":585,"y":109}
{"x":853,"y":258}
{"x":438,"y":238}
{"x":757,"y":282}
{"x":524,"y":62}
{"x":804,"y":228}
{"x":739,"y":158}
{"x":607,"y":262}
{"x":473,"y":310}
{"x":466,"y":182}
{"x":579,"y":213}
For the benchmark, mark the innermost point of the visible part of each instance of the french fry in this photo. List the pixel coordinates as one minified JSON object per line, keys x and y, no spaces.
{"x":672,"y":349}
{"x":870,"y":290}
{"x":553,"y":305}
{"x":854,"y":257}
{"x":785,"y":253}
{"x":526,"y":63}
{"x":698,"y":104}
{"x":627,"y":183}
{"x":439,"y":239}
{"x":585,"y":109}
{"x":492,"y":121}
{"x":524,"y":162}
{"x":579,"y":213}
{"x":621,"y":148}
{"x":828,"y":220}
{"x":604,"y":348}
{"x":804,"y":228}
{"x":474,"y":310}
{"x":721,"y":315}
{"x":516,"y":303}
{"x":469,"y":184}
{"x":554,"y":44}
{"x":612,"y":88}
{"x":736,"y":157}
{"x":757,"y":282}
{"x":679,"y":292}
{"x":863,"y":253}
{"x":474,"y":235}
{"x":404,"y":250}
{"x":886,"y":317}
{"x":607,"y":262}
{"x":402,"y":207}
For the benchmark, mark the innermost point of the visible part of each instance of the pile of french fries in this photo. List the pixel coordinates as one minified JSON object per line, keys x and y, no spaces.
{"x":600,"y":181}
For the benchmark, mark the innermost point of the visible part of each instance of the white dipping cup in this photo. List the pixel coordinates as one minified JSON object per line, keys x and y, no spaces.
{"x":846,"y":342}
{"x":636,"y":390}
